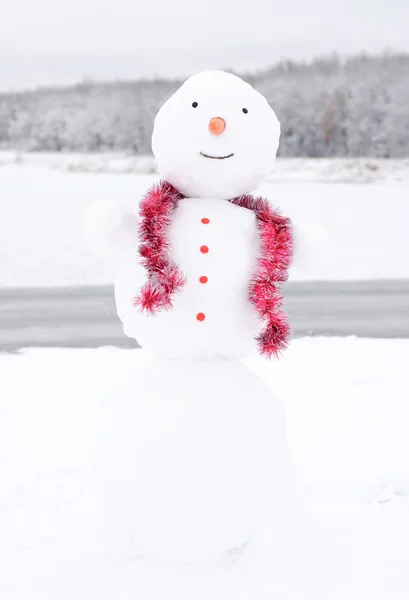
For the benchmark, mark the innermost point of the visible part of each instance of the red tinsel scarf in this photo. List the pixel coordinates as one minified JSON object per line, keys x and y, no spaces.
{"x":165,"y":278}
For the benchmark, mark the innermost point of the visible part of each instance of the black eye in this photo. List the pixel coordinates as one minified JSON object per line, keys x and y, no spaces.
{"x":195,"y":104}
{"x":245,"y":110}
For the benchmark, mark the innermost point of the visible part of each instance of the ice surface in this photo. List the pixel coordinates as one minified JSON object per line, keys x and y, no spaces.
{"x":347,"y":414}
{"x":367,"y":225}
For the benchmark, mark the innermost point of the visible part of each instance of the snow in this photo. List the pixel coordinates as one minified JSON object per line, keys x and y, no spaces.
{"x":326,"y":170}
{"x":231,"y":324}
{"x":202,"y":163}
{"x":347,"y":414}
{"x":330,"y":106}
{"x":42,"y":210}
{"x":191,"y":457}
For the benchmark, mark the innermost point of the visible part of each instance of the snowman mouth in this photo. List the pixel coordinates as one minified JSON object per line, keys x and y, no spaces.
{"x":216,"y":157}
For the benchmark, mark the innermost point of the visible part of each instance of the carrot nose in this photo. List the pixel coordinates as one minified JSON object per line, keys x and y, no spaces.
{"x":217,"y":125}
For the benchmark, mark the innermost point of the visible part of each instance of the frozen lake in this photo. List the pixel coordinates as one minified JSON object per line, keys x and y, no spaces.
{"x":85,"y":316}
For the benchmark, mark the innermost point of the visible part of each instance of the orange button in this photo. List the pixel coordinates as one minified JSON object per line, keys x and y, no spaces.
{"x":200,"y":316}
{"x":204,"y":249}
{"x":203,"y":279}
{"x":205,"y":221}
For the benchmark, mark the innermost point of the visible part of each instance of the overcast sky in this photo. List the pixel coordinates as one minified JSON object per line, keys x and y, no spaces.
{"x":46,"y":42}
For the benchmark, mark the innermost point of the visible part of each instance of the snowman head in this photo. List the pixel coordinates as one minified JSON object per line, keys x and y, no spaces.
{"x":215,"y":137}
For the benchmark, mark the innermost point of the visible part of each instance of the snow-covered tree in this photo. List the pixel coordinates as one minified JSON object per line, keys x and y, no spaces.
{"x":329,"y":107}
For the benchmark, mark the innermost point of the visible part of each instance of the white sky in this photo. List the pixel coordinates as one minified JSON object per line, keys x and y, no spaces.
{"x":62,"y":41}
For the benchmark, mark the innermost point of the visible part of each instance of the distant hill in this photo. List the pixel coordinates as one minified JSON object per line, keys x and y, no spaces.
{"x":329,"y":107}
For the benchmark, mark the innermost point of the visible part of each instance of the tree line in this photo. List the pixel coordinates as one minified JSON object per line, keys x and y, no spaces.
{"x":328,"y":107}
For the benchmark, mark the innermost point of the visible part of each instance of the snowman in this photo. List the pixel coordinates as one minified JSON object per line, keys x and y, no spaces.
{"x":192,"y":455}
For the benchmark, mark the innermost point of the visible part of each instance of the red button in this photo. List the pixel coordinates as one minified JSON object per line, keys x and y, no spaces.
{"x":203,"y":279}
{"x":204,"y":249}
{"x":200,"y":316}
{"x":205,"y":220}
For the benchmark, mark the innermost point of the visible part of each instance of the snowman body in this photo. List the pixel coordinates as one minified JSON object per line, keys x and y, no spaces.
{"x":192,"y":453}
{"x":216,"y":245}
{"x":192,"y":458}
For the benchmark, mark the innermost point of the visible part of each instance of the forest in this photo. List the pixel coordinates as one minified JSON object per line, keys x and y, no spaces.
{"x":330,"y":106}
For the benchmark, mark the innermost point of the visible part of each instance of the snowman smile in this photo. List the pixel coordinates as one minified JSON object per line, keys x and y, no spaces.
{"x":216,"y":157}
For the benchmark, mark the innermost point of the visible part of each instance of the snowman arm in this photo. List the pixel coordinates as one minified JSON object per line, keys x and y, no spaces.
{"x":310,"y":243}
{"x":109,"y":228}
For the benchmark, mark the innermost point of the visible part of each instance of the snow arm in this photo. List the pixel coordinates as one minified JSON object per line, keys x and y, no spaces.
{"x":110,"y":229}
{"x":311,"y":243}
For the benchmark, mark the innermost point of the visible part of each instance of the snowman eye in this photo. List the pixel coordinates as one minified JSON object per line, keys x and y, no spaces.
{"x":195,"y":104}
{"x":245,"y":110}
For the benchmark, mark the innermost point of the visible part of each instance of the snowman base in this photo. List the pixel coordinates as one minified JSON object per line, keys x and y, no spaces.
{"x":191,"y":460}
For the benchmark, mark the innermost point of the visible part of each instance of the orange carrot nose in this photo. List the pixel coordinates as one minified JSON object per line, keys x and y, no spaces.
{"x":217,"y":125}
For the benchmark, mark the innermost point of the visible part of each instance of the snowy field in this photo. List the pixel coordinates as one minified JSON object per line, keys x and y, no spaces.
{"x":347,"y":414}
{"x":353,"y":170}
{"x":41,"y":211}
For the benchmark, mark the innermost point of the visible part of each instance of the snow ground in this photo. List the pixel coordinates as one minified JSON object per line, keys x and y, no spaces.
{"x":41,"y":212}
{"x":358,"y":170}
{"x":347,"y":411}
